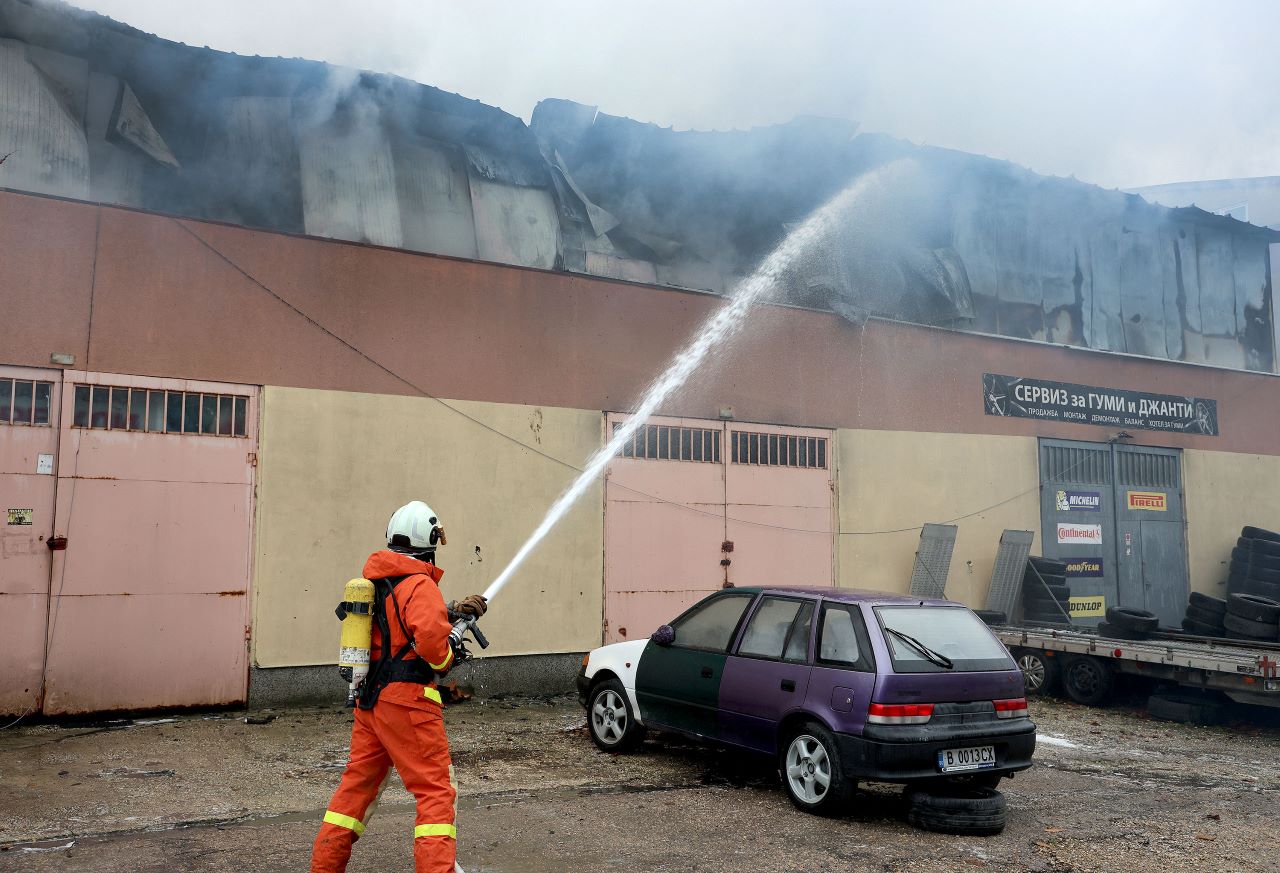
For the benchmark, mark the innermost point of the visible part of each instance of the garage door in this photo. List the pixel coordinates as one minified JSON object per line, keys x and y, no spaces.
{"x":692,"y":506}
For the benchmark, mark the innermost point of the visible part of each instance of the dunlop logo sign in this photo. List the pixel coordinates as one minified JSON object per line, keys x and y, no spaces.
{"x":1088,"y":606}
{"x":1155,"y":501}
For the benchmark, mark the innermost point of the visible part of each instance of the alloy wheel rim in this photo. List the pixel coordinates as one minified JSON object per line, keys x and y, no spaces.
{"x":609,"y":717}
{"x":1033,"y":672}
{"x":808,"y":769}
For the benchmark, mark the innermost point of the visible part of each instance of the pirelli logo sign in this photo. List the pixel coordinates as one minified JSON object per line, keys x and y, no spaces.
{"x":1154,"y":501}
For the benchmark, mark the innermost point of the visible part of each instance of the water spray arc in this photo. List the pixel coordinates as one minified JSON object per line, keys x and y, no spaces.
{"x":714,"y":331}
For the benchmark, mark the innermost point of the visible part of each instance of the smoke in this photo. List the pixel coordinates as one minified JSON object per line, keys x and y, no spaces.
{"x":1119,"y":94}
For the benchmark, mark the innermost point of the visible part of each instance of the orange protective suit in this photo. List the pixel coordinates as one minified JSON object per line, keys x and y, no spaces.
{"x":404,"y":729}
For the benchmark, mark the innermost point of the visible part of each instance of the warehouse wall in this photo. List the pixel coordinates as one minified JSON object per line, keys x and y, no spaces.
{"x":334,"y":466}
{"x":896,"y":479}
{"x":1224,"y":492}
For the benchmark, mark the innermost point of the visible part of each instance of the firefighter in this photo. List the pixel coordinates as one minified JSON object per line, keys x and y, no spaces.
{"x":399,"y":720}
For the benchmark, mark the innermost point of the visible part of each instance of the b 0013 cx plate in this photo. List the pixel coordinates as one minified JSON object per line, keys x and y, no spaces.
{"x":973,"y":758}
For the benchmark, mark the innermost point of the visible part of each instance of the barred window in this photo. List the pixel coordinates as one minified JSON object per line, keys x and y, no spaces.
{"x":660,"y":442}
{"x":778,"y":450}
{"x":107,"y":407}
{"x":25,"y":401}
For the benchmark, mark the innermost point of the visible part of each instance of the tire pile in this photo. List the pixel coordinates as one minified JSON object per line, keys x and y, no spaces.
{"x":952,"y":810}
{"x":1045,"y":593}
{"x":1252,"y":618}
{"x":1124,"y":623}
{"x":1255,"y":564}
{"x":1205,"y":616}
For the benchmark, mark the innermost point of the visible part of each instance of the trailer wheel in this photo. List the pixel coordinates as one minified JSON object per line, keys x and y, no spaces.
{"x":1040,"y":673}
{"x":1087,"y":679}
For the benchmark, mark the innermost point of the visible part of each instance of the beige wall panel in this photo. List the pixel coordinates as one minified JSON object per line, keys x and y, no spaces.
{"x":1224,"y":491}
{"x":893,"y":479}
{"x":335,"y":465}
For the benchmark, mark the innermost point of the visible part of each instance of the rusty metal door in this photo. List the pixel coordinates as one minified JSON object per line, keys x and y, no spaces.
{"x":28,"y":446}
{"x":149,"y":600}
{"x":693,"y":505}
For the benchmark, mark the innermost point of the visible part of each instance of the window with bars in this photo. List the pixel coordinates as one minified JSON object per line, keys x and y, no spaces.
{"x":778,"y":450}
{"x":25,"y":401}
{"x":660,"y":442}
{"x":111,"y":407}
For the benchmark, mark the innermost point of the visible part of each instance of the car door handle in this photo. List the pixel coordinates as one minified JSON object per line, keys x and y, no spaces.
{"x":707,"y":673}
{"x":788,"y":685}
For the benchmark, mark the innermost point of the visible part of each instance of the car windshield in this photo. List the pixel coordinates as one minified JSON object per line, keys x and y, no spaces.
{"x":940,"y":639}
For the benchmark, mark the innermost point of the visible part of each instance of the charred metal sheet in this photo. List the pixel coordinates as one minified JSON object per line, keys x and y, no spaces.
{"x":132,"y":125}
{"x":254,"y":152}
{"x":45,"y":143}
{"x":435,"y":198}
{"x":515,"y":225}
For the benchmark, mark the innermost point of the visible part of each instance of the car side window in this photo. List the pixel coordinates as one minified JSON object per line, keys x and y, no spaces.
{"x":710,"y":625}
{"x":842,"y":638}
{"x":778,"y":629}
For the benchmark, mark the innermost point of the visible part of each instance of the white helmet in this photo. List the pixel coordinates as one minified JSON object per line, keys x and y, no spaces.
{"x":417,"y":523}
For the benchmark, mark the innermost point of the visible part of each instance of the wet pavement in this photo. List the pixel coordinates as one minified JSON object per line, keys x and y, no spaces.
{"x":1112,"y":791}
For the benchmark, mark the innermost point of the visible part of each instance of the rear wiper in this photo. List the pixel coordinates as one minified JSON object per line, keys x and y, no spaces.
{"x":933,"y":657}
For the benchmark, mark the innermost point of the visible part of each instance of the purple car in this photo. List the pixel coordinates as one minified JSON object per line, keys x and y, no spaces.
{"x":840,"y":685}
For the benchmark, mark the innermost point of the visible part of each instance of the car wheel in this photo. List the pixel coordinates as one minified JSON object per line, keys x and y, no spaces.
{"x":610,"y":720}
{"x":1087,"y":680}
{"x":1039,"y":672}
{"x":812,"y":771}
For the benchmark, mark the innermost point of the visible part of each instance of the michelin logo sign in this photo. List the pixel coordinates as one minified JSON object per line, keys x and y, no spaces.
{"x":1079,"y":501}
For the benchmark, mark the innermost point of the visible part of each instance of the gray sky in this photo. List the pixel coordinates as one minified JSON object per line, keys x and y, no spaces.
{"x":1117,"y":92}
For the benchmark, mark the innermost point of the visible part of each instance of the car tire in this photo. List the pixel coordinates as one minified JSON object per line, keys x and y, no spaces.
{"x":1048,"y":566}
{"x":1258,"y":533}
{"x":991,"y":616}
{"x":1255,"y":559}
{"x":807,"y":755}
{"x":1204,"y":616}
{"x":1040,"y":673}
{"x":1186,"y":708}
{"x":1200,"y":629}
{"x":1132,"y":619}
{"x":1208,"y":603}
{"x":1114,"y":632}
{"x":955,"y":809}
{"x":1052,"y":591}
{"x":1270,"y":548}
{"x":1249,"y":629}
{"x":613,"y":726}
{"x":1269,"y":590}
{"x":1261,"y":574}
{"x":1254,"y":607}
{"x":1087,"y":679}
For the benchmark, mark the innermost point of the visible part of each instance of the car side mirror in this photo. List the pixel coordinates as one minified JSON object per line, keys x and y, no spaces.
{"x":664,"y":635}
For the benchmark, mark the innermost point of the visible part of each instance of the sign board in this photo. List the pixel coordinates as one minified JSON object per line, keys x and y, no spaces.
{"x":44,"y":465}
{"x":1018,"y":397}
{"x":1088,"y":606}
{"x":1079,"y":534}
{"x":1079,"y":501}
{"x":1153,"y":501}
{"x":1084,"y":568}
{"x":21,"y":516}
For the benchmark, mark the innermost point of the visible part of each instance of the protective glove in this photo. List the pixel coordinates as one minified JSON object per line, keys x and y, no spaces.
{"x":474,"y":605}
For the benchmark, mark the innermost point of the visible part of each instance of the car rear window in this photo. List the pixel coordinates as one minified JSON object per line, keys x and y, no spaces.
{"x":952,"y":631}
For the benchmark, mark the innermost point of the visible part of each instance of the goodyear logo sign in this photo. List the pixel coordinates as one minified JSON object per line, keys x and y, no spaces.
{"x":1084,"y":568}
{"x":1089,"y":606}
{"x":1150,"y":500}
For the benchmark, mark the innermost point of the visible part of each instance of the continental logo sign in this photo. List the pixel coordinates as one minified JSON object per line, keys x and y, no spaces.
{"x":1089,"y":606}
{"x":1156,"y":501}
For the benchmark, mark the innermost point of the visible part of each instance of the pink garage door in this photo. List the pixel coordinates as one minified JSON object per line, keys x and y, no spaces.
{"x":684,"y":488}
{"x":28,"y":445}
{"x":149,"y":604}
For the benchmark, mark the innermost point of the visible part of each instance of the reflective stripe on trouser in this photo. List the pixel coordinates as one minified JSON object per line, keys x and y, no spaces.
{"x":413,"y":740}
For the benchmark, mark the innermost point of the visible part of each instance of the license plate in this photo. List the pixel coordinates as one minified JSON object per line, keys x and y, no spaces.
{"x":974,"y":758}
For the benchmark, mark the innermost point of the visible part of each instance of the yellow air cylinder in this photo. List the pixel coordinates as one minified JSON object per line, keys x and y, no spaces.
{"x":357,"y":635}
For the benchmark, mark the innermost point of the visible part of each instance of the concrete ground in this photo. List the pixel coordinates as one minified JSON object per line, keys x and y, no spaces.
{"x":1112,"y":791}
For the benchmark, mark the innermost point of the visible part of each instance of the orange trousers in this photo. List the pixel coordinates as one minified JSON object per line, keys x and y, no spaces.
{"x":406,"y":733}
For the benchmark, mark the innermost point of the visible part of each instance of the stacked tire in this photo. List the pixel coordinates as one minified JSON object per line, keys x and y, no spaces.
{"x":1045,"y":594}
{"x":970,"y":811}
{"x":1205,"y":616}
{"x":1255,"y":564}
{"x":1124,"y":623}
{"x":1252,"y":618}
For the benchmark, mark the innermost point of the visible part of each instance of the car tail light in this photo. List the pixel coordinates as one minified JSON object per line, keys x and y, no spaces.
{"x":899,"y":713}
{"x":1015,"y":707}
